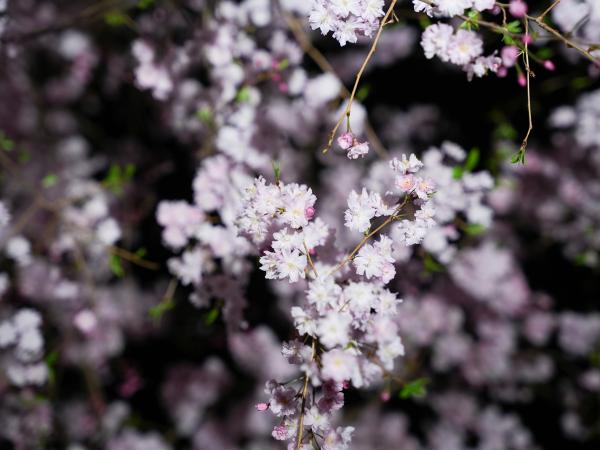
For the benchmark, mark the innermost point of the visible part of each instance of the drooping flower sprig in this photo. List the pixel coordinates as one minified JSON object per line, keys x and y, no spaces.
{"x":348,"y":313}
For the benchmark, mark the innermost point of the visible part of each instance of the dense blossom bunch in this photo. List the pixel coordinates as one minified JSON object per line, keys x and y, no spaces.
{"x":451,"y":8}
{"x":461,"y":47}
{"x":346,"y":19}
{"x":350,"y":317}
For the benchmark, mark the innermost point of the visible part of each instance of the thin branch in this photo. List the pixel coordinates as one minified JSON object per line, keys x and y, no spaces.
{"x":304,"y":396}
{"x":364,"y":240}
{"x":560,"y":37}
{"x":528,"y":74}
{"x":320,"y":60}
{"x":548,"y":9}
{"x":346,"y":115}
{"x":310,"y":261}
{"x":133,"y":258}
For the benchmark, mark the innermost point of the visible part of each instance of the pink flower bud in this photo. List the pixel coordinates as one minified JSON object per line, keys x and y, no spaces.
{"x":549,"y":65}
{"x":262,"y":406}
{"x":501,"y":72}
{"x":385,"y":396}
{"x":309,"y":213}
{"x":346,"y":140}
{"x":283,"y":87}
{"x":517,"y":8}
{"x":509,"y":55}
{"x":527,"y":39}
{"x":312,"y":252}
{"x":522,"y":80}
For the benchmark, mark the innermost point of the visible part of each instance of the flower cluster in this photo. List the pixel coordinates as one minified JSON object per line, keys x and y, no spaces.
{"x":346,"y":19}
{"x":349,"y":320}
{"x":353,"y":146}
{"x":451,"y":8}
{"x":22,"y":334}
{"x":463,"y":48}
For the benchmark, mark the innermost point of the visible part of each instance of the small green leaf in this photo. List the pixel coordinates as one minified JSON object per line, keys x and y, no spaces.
{"x":472,"y":159}
{"x":457,"y":172}
{"x":156,"y":312}
{"x":363,"y":92}
{"x":243,"y":95}
{"x":115,"y":266}
{"x":204,"y":114}
{"x":284,"y":64}
{"x":545,"y":53}
{"x":518,"y":158}
{"x":49,"y":180}
{"x":416,"y":388}
{"x":52,"y":358}
{"x":115,"y":18}
{"x":514,"y":27}
{"x":431,"y":265}
{"x":474,"y":229}
{"x":141,"y":252}
{"x":595,"y":357}
{"x":117,"y":177}
{"x":277,"y":171}
{"x":424,"y":21}
{"x":211,"y":316}
{"x":24,"y":156}
{"x":508,"y":39}
{"x":505,"y":131}
{"x":145,"y":4}
{"x":6,"y":143}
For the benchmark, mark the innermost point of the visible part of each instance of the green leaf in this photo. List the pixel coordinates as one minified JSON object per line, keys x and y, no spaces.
{"x":472,"y":159}
{"x":457,"y":172}
{"x":363,"y":92}
{"x":115,"y":18}
{"x":24,"y":156}
{"x":518,"y":158}
{"x":6,"y":143}
{"x":545,"y":53}
{"x":145,"y":4}
{"x":141,"y":252}
{"x":277,"y":171}
{"x":424,"y":21}
{"x":49,"y":180}
{"x":431,"y":265}
{"x":514,"y":27}
{"x":243,"y":95}
{"x":284,"y":64}
{"x":117,"y":177}
{"x":505,"y":131}
{"x":474,"y":229}
{"x":211,"y":316}
{"x":581,"y":82}
{"x":508,"y":39}
{"x":156,"y":312}
{"x":472,"y":22}
{"x":52,"y":358}
{"x":115,"y":266}
{"x":415,"y":388}
{"x":595,"y":357}
{"x":51,"y":361}
{"x":204,"y":114}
